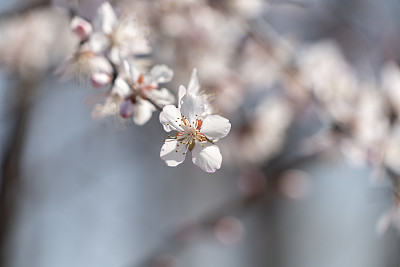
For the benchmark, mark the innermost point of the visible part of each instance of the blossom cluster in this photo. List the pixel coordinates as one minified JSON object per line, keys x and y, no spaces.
{"x":109,"y":54}
{"x":265,"y":83}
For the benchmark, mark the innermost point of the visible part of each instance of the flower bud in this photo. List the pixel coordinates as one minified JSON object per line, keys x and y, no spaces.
{"x":127,"y":108}
{"x":81,"y":27}
{"x":100,"y":79}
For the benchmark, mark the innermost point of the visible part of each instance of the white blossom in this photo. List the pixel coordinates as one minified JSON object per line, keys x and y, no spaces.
{"x":85,"y":63}
{"x":196,"y":133}
{"x":140,"y":93}
{"x":120,"y":38}
{"x":194,"y":89}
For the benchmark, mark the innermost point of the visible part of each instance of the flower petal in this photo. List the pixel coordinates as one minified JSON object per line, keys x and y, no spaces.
{"x":100,"y":64}
{"x":161,"y":74}
{"x":105,"y":19}
{"x":161,"y":97}
{"x":181,"y":93}
{"x":215,"y":127}
{"x":173,"y":153}
{"x":121,"y":88}
{"x":207,"y":156}
{"x":194,"y":86}
{"x":143,"y":110}
{"x":100,"y":79}
{"x":170,"y":118}
{"x":191,"y":107}
{"x":131,"y":70}
{"x":98,"y":42}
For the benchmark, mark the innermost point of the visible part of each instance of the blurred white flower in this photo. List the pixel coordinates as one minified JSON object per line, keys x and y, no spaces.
{"x":84,"y":64}
{"x":35,"y":42}
{"x":195,"y":133}
{"x":264,"y":135}
{"x":332,"y":81}
{"x":390,"y":75}
{"x":120,"y":38}
{"x":136,"y":95}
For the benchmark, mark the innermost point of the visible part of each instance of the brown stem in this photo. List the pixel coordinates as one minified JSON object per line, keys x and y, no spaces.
{"x":11,"y":166}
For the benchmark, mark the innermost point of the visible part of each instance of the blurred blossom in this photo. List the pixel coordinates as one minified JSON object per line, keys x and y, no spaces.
{"x":119,"y":37}
{"x":248,"y":8}
{"x":325,"y":72}
{"x":34,"y":42}
{"x":392,"y":149}
{"x":84,"y":64}
{"x":142,"y":90}
{"x":263,"y":136}
{"x":370,"y":125}
{"x":229,"y":230}
{"x":390,"y":75}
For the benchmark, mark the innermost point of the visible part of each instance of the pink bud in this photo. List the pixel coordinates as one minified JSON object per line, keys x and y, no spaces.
{"x":81,"y":27}
{"x":100,"y":79}
{"x":127,"y":108}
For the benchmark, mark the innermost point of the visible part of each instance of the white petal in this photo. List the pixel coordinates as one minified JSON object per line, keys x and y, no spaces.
{"x":194,"y":86}
{"x":105,"y":19}
{"x":181,"y":93}
{"x":207,"y":156}
{"x":171,"y":118}
{"x":121,"y":88}
{"x":215,"y":127}
{"x":109,"y":107}
{"x":161,"y":74}
{"x":173,"y":154}
{"x":98,"y":42}
{"x":161,"y":97}
{"x":100,"y":64}
{"x":131,"y":70}
{"x":99,"y":79}
{"x":192,"y":107}
{"x":142,"y":112}
{"x":115,"y":55}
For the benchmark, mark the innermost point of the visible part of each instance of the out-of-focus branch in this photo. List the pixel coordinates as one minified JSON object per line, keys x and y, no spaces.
{"x":239,"y":206}
{"x":11,"y":166}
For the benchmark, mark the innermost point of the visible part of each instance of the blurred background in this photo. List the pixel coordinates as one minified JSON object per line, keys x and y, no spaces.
{"x":82,"y":192}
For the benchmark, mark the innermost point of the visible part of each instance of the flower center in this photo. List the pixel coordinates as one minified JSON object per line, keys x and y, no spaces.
{"x":191,"y":133}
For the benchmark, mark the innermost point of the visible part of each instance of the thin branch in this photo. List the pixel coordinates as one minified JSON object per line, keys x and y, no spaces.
{"x":11,"y":165}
